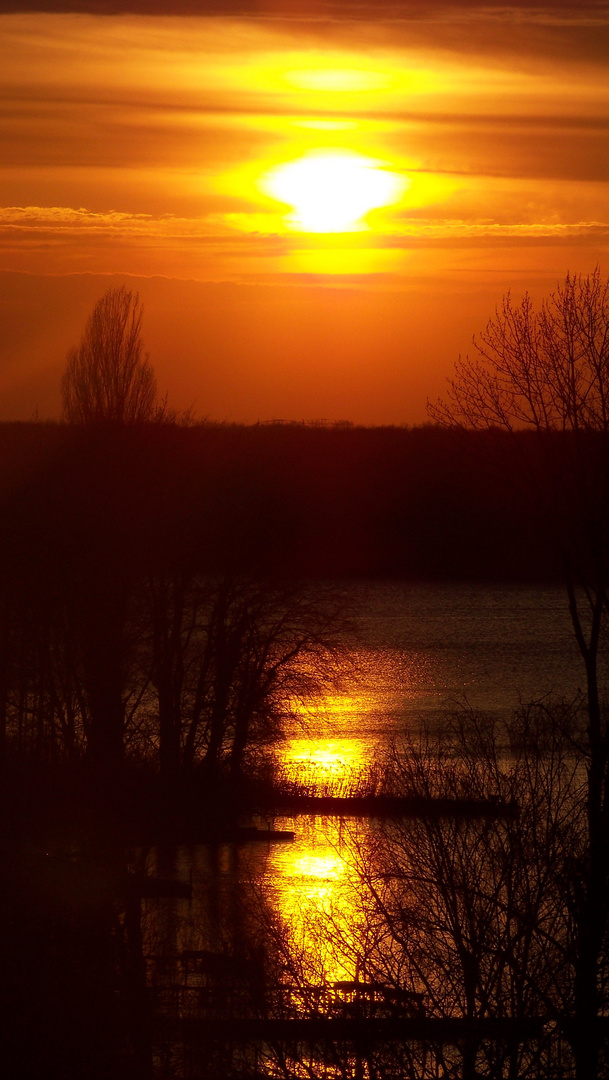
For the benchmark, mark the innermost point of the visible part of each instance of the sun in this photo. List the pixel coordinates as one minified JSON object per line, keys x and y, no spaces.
{"x":332,"y":191}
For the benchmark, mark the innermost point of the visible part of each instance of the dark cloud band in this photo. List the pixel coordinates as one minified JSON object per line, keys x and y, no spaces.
{"x":595,"y":10}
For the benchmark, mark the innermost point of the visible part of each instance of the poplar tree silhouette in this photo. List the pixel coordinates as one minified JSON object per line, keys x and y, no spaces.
{"x":108,"y":378}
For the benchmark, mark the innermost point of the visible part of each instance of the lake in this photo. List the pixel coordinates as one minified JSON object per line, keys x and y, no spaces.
{"x":426,"y":650}
{"x":422,"y":651}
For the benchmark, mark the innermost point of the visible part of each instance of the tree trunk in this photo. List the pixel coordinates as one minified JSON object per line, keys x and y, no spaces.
{"x":103,"y":670}
{"x":592,"y":913}
{"x":105,"y":744}
{"x":169,"y":730}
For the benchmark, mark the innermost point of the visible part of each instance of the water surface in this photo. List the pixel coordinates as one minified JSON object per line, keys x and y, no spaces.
{"x":422,"y":651}
{"x":426,"y":650}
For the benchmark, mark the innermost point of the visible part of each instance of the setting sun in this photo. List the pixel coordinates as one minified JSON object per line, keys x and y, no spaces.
{"x":333,"y":191}
{"x":304,"y":573}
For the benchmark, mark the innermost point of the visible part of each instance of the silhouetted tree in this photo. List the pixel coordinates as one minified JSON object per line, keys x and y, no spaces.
{"x":548,"y":370}
{"x":108,"y":379}
{"x":472,"y":911}
{"x":228,"y":656}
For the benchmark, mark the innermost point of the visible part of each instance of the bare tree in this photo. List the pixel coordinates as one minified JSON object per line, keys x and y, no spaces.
{"x":228,"y":656}
{"x":108,"y":378}
{"x":470,"y":910}
{"x":548,"y":371}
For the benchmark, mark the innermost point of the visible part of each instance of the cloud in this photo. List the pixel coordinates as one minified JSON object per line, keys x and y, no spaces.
{"x":548,"y":11}
{"x":131,"y":143}
{"x":66,"y":217}
{"x":50,"y":223}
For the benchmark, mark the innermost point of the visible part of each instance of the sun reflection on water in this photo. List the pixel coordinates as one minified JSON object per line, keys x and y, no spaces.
{"x":334,"y":746}
{"x":315,"y":893}
{"x":333,"y":738}
{"x":327,"y":760}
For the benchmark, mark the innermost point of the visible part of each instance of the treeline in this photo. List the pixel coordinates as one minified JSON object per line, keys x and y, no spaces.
{"x":156,"y":596}
{"x":306,"y":501}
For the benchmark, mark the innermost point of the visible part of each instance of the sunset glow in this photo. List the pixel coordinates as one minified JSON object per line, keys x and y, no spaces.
{"x":417,"y":167}
{"x":304,"y":586}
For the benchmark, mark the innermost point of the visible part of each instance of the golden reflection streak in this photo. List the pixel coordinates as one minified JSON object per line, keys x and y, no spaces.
{"x":328,"y":764}
{"x":314,"y":882}
{"x":316,"y":893}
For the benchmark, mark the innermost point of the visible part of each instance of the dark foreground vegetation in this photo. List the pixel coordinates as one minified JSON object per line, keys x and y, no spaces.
{"x":153,"y":578}
{"x":167,"y":594}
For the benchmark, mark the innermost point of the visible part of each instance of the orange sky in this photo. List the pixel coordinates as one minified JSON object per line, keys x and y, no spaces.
{"x":451,"y":151}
